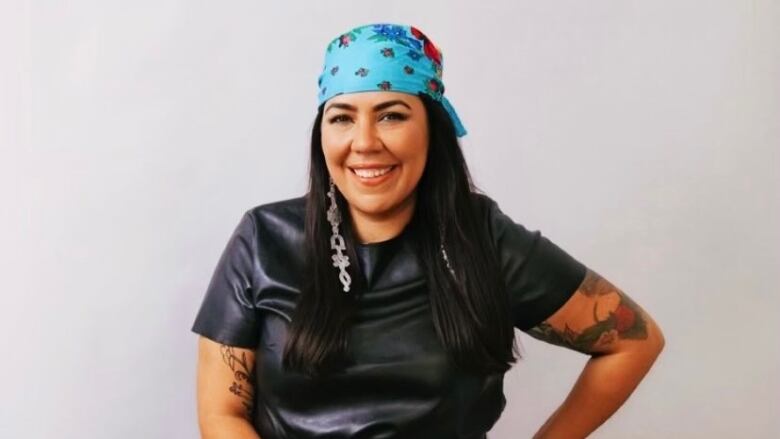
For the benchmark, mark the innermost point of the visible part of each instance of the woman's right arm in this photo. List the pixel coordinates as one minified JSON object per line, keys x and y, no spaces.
{"x":225,"y":390}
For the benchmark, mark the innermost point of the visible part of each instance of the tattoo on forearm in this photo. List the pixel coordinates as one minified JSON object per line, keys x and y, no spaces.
{"x":625,"y":321}
{"x":243,"y":384}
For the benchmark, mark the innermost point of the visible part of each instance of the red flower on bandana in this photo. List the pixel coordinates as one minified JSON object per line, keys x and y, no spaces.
{"x":344,"y":40}
{"x":434,"y":88}
{"x":431,"y":51}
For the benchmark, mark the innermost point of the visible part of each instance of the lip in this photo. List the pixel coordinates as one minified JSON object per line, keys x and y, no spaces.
{"x":373,"y":165}
{"x":375,"y":181}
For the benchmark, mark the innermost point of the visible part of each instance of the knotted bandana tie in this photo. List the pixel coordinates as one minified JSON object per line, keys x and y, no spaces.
{"x":388,"y":57}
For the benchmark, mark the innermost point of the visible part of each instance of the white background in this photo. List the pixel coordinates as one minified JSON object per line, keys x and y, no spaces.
{"x":642,"y":137}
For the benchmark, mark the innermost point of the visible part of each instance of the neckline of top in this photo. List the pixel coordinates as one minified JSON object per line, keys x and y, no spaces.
{"x":386,"y":242}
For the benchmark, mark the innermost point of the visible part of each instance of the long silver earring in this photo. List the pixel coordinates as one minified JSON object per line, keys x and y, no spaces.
{"x":337,"y":243}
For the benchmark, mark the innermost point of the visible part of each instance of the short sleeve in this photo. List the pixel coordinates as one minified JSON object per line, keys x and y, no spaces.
{"x":539,"y":276}
{"x":227,"y":313}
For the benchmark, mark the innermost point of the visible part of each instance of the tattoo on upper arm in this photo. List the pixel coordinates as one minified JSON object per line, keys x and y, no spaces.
{"x":624,"y":321}
{"x":243,"y":384}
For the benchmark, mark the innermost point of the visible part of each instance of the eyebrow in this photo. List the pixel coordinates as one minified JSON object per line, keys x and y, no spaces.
{"x":377,"y":107}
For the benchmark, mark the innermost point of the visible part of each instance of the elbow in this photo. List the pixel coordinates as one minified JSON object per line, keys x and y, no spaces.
{"x":656,"y":341}
{"x":649,"y":346}
{"x":661,"y":341}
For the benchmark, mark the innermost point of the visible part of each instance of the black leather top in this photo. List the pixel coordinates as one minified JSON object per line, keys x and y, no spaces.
{"x":402,"y":385}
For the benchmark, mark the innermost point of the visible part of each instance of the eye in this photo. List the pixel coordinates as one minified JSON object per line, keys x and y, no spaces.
{"x":396,"y":116}
{"x":338,"y":118}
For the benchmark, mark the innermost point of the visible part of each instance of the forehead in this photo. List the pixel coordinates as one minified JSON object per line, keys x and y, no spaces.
{"x":370,"y":98}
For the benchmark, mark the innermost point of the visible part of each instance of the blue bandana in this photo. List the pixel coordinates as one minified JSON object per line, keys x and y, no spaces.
{"x":385,"y":56}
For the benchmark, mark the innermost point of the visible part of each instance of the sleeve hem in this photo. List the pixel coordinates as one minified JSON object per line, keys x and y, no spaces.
{"x":555,"y":302}
{"x":225,"y":339}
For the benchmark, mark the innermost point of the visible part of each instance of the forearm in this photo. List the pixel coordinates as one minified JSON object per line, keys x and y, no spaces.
{"x":227,"y":427}
{"x":603,"y":386}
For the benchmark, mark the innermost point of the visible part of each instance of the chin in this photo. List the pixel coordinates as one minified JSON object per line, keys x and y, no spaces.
{"x":372,"y":204}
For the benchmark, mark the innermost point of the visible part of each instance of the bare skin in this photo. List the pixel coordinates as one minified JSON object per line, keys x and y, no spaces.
{"x":614,"y":317}
{"x":225,"y":387}
{"x":376,"y":128}
{"x":623,"y":340}
{"x":243,"y":385}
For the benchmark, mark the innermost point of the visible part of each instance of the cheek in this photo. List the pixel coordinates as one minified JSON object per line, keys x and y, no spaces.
{"x":419,"y":165}
{"x":415,"y":150}
{"x":332,"y":148}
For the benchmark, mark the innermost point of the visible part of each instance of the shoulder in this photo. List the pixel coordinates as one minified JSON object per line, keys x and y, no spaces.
{"x":289,"y":211}
{"x":491,"y":214}
{"x":509,"y":236}
{"x":278,"y":223}
{"x":484,"y":204}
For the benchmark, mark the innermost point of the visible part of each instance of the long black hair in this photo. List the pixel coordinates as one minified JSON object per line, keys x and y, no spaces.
{"x":470,"y":311}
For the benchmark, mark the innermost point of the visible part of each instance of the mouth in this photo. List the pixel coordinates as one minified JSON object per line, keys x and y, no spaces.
{"x":373,"y":176}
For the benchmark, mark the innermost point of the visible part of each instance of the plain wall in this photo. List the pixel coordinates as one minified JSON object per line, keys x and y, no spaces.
{"x":641,"y":137}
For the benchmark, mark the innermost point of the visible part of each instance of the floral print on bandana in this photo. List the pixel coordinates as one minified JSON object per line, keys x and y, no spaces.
{"x":343,"y":40}
{"x":389,"y":32}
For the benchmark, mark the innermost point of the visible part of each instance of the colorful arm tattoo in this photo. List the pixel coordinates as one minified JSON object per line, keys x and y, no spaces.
{"x":624,"y":321}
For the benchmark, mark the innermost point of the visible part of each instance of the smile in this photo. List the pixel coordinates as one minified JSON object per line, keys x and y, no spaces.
{"x":374,"y":176}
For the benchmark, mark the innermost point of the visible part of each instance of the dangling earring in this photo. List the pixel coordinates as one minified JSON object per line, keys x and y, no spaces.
{"x":444,"y":253}
{"x":340,"y":260}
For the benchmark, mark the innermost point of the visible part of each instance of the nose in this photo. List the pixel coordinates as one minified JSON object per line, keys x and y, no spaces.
{"x":365,"y":138}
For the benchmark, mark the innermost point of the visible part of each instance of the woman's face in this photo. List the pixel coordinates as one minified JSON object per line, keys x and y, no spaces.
{"x":367,"y":133}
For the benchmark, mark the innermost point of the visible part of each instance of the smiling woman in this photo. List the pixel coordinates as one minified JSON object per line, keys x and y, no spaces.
{"x":383,"y":302}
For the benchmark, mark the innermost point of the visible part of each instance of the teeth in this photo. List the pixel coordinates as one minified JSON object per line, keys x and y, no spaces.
{"x":370,"y":173}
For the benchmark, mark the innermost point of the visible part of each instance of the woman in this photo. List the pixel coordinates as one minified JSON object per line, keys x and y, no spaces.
{"x":382,"y":304}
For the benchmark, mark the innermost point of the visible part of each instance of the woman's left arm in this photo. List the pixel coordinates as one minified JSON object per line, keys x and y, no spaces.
{"x":623,"y":341}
